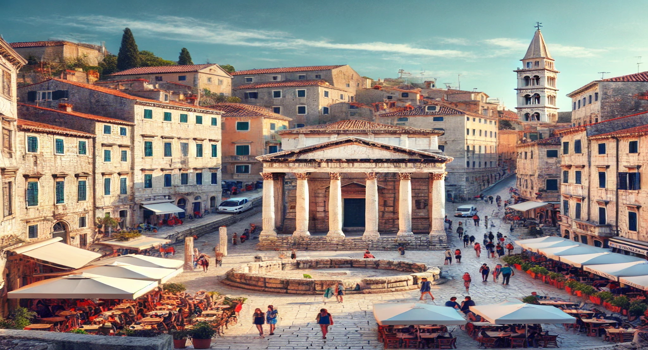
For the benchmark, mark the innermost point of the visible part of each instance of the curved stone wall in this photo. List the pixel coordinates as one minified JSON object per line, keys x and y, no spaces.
{"x":258,"y":276}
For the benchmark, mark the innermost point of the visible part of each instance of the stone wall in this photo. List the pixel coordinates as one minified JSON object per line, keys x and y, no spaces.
{"x":351,"y":244}
{"x":252,"y":276}
{"x":13,"y":339}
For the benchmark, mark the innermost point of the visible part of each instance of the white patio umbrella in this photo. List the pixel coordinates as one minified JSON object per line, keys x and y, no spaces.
{"x":395,"y":314}
{"x":556,"y":253}
{"x":597,"y":259}
{"x":535,"y":247}
{"x":525,"y":242}
{"x":84,"y":286}
{"x":121,"y":270}
{"x":614,"y":271}
{"x":640,"y":282}
{"x":517,"y":312}
{"x":143,"y":260}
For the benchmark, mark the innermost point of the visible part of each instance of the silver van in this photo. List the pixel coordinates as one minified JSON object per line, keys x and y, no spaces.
{"x":466,"y":211}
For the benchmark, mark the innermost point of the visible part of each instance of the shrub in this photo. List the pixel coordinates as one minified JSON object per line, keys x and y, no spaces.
{"x":555,"y":275}
{"x":18,"y":319}
{"x":526,"y":266}
{"x":605,"y":296}
{"x":126,"y":235}
{"x":621,"y":301}
{"x":542,"y":271}
{"x":638,"y":309}
{"x":531,"y":299}
{"x":202,"y":330}
{"x":142,"y":333}
{"x":512,"y":259}
{"x":307,"y":276}
{"x":78,"y":331}
{"x":179,"y":334}
{"x":174,"y":287}
{"x":588,"y":290}
{"x":571,"y":284}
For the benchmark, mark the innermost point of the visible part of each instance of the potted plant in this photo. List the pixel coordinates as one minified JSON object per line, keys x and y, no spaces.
{"x":620,"y":303}
{"x":201,"y":335}
{"x":570,"y":286}
{"x":533,"y":271}
{"x":543,"y":272}
{"x":179,"y":338}
{"x":174,"y":287}
{"x":531,"y":299}
{"x":525,"y":266}
{"x":637,"y":308}
{"x":588,"y":291}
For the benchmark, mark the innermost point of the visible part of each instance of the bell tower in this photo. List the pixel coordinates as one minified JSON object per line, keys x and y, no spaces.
{"x":536,"y":83}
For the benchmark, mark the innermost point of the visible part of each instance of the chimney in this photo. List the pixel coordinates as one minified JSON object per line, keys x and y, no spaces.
{"x":67,"y":107}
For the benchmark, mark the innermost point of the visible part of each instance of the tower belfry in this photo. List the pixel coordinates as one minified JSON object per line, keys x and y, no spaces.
{"x":536,"y":83}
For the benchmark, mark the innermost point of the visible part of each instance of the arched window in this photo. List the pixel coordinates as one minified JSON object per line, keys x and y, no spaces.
{"x":527,"y":116}
{"x":566,"y":235}
{"x":536,"y":80}
{"x":584,"y":101}
{"x":527,"y":99}
{"x":576,"y":238}
{"x":578,"y":103}
{"x":528,"y":64}
{"x":527,"y":81}
{"x":536,"y":99}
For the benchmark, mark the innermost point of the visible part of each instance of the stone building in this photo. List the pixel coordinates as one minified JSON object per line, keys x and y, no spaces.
{"x":355,"y":176}
{"x":536,"y":83}
{"x":248,"y":132}
{"x":470,"y":139}
{"x":394,"y":95}
{"x":506,"y":151}
{"x":470,"y":101}
{"x":112,"y":153}
{"x":609,"y":98}
{"x":60,"y":51}
{"x":602,"y":189}
{"x":55,"y":186}
{"x":200,"y":77}
{"x":306,"y":102}
{"x":172,"y":143}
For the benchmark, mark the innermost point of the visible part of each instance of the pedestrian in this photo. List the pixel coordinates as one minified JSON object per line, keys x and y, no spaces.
{"x":466,"y":304}
{"x":401,"y":250}
{"x":339,"y":292}
{"x":259,"y":320}
{"x":499,"y":235}
{"x":466,"y":241}
{"x":485,"y":240}
{"x":458,"y":255}
{"x":510,"y":248}
{"x":219,"y":257}
{"x":507,"y":272}
{"x":328,"y":293}
{"x":511,"y":228}
{"x":368,"y":255}
{"x":324,"y":319}
{"x":195,"y":257}
{"x":485,"y":270}
{"x":460,"y":231}
{"x":497,"y":271}
{"x":477,"y":249}
{"x":235,"y":239}
{"x":293,"y":254}
{"x":271,"y":318}
{"x":453,"y":303}
{"x":500,"y":250}
{"x":426,"y":288}
{"x":491,"y":237}
{"x":475,"y":220}
{"x":490,"y":248}
{"x":466,"y":278}
{"x":490,"y":199}
{"x":486,"y":221}
{"x":448,"y":257}
{"x":472,"y":239}
{"x":203,"y":261}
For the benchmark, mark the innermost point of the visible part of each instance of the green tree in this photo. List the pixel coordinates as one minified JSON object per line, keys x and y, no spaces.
{"x":185,"y":57}
{"x":228,"y":68}
{"x":148,"y":59}
{"x":108,"y":65}
{"x":128,"y":56}
{"x":506,"y":125}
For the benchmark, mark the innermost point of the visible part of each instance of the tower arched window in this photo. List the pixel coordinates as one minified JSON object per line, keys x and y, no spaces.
{"x":536,"y":99}
{"x":578,"y":103}
{"x":528,"y":64}
{"x":527,"y":81}
{"x":590,"y":99}
{"x":535,"y":117}
{"x":527,"y":116}
{"x":584,"y":101}
{"x":527,"y":99}
{"x":536,"y":80}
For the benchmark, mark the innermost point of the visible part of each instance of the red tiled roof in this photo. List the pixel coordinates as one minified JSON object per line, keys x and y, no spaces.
{"x":166,"y":69}
{"x":27,"y":125}
{"x":551,"y":141}
{"x":108,"y":82}
{"x":572,"y":129}
{"x":359,"y":105}
{"x":422,"y":110}
{"x":290,"y":83}
{"x":243,"y":110}
{"x":358,"y":126}
{"x":39,"y":43}
{"x":285,"y":70}
{"x":80,"y":115}
{"x":641,"y":77}
{"x":636,"y":131}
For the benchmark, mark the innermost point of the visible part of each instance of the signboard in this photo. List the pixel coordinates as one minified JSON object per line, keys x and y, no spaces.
{"x":602,"y":274}
{"x":628,"y":248}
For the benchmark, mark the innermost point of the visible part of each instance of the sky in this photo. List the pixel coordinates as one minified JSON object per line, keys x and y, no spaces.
{"x":477,"y":43}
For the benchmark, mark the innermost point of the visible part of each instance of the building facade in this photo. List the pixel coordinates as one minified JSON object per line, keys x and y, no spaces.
{"x":61,"y":51}
{"x":536,"y":84}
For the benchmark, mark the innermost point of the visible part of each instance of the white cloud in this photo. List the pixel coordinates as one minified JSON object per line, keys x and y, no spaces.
{"x":193,"y":30}
{"x":455,"y":41}
{"x":508,"y":45}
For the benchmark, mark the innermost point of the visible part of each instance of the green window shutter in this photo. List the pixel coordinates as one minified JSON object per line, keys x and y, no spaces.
{"x":199,"y":150}
{"x":167,"y":116}
{"x":83,"y":147}
{"x":184,"y":179}
{"x":123,"y":185}
{"x":148,"y":181}
{"x":60,"y":192}
{"x":32,"y":193}
{"x":148,"y":114}
{"x":167,"y":149}
{"x":107,"y":155}
{"x":184,"y":118}
{"x":32,"y":144}
{"x":242,"y":150}
{"x":122,"y":131}
{"x":214,"y":151}
{"x":148,"y":149}
{"x":199,"y":119}
{"x":214,"y":121}
{"x":107,"y":129}
{"x":107,"y":183}
{"x":60,"y":147}
{"x":82,"y":190}
{"x":124,"y":156}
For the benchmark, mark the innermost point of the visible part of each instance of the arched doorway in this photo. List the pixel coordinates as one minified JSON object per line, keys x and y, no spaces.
{"x":60,"y":229}
{"x":197,"y":206}
{"x":182,"y":204}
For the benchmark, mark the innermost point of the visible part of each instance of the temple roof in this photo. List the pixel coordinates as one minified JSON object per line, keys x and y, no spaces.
{"x":359,"y":126}
{"x":538,"y":47}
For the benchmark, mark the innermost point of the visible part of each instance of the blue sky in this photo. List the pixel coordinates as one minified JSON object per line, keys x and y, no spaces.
{"x":481,"y":40}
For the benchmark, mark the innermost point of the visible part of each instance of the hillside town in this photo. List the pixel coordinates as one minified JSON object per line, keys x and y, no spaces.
{"x":171,"y":205}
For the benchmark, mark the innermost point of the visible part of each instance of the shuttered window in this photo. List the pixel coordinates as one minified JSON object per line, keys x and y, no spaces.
{"x":148,"y":114}
{"x":148,"y":149}
{"x":123,"y":185}
{"x":32,"y":193}
{"x":148,"y":181}
{"x":184,"y":118}
{"x":107,"y":185}
{"x":32,"y":144}
{"x":59,"y":146}
{"x":82,"y":190}
{"x":83,"y":147}
{"x":60,"y":192}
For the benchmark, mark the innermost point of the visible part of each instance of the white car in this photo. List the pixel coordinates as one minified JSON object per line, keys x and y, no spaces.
{"x":466,"y":211}
{"x":235,"y":205}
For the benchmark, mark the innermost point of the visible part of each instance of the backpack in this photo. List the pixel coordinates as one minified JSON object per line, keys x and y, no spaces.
{"x":509,"y":246}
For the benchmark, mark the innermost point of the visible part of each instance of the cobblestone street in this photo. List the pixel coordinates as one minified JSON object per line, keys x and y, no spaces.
{"x":355,"y":327}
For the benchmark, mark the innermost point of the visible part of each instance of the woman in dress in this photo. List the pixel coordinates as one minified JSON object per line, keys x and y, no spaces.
{"x":271,"y":318}
{"x":324,"y":319}
{"x":339,"y":292}
{"x":467,"y":279}
{"x":259,"y":320}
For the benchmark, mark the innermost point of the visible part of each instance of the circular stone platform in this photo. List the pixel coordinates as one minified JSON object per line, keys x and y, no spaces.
{"x":357,"y":275}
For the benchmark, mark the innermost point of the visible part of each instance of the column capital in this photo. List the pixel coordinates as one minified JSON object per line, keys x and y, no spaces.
{"x":371,"y":176}
{"x":438,"y":176}
{"x":267,"y":176}
{"x":302,"y":176}
{"x":335,"y":176}
{"x":405,"y":176}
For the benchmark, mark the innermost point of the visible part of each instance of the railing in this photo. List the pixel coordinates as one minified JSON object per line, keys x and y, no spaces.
{"x":248,"y":158}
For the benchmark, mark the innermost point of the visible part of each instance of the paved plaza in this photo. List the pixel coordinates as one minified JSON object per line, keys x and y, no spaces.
{"x":355,"y":327}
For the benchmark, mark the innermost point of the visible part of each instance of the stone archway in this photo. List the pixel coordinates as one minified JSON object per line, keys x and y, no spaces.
{"x":182,"y":204}
{"x":61,"y":229}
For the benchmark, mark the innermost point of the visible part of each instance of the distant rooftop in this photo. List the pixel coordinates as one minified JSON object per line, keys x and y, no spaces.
{"x":285,"y":70}
{"x":359,"y":126}
{"x":167,"y":69}
{"x":243,"y":110}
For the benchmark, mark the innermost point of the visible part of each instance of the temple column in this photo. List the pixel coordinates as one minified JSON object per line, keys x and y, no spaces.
{"x":371,"y":208}
{"x":189,"y":250}
{"x":301,"y":206}
{"x":335,"y":207}
{"x":438,"y":232}
{"x":405,"y":205}
{"x":268,"y":209}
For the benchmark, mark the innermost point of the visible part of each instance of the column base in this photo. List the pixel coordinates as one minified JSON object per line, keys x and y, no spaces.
{"x":405,"y":233}
{"x":301,"y":233}
{"x":267,"y":236}
{"x":335,"y":234}
{"x":440,"y":237}
{"x":371,"y":235}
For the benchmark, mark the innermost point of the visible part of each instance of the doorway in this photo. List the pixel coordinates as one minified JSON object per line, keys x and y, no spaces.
{"x":354,"y":212}
{"x":196,"y":208}
{"x":123,"y":218}
{"x":60,"y":230}
{"x":182,"y":203}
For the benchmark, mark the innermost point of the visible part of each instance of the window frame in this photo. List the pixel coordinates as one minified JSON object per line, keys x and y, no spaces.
{"x":123,"y":185}
{"x":59,"y":194}
{"x":305,"y":109}
{"x":241,"y":123}
{"x":107,"y":155}
{"x":236,"y":168}
{"x":107,"y":184}
{"x":299,"y":91}
{"x":168,"y":117}
{"x":237,"y":147}
{"x":56,"y":146}
{"x":168,"y":146}
{"x":631,"y":227}
{"x":148,"y":180}
{"x":107,"y":129}
{"x":27,"y":139}
{"x":277,"y":92}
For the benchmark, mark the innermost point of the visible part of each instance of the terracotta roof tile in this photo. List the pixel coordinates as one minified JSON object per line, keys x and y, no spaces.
{"x":422,"y":111}
{"x":572,"y":129}
{"x":39,"y":43}
{"x":290,"y":83}
{"x":635,"y":131}
{"x":359,"y":105}
{"x":551,"y":141}
{"x":27,"y":125}
{"x":166,"y":69}
{"x":243,"y":110}
{"x":80,"y":115}
{"x":285,"y":70}
{"x":358,"y":126}
{"x":109,"y":82}
{"x":636,"y":77}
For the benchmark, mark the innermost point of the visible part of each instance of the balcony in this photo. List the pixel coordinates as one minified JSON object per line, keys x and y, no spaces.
{"x":566,"y":220}
{"x":248,"y":158}
{"x":594,"y":229}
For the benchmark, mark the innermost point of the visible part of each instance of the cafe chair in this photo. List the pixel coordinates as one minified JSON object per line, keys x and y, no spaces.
{"x":550,"y":341}
{"x":391,"y":341}
{"x":593,"y":331}
{"x":517,"y":342}
{"x":487,"y":342}
{"x":410,"y":343}
{"x":446,"y":343}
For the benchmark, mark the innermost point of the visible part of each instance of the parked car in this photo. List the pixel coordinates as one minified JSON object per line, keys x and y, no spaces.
{"x":235,"y":205}
{"x":466,"y":210}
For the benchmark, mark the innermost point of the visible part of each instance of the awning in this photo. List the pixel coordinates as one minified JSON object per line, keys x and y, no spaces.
{"x":58,"y":253}
{"x":629,"y":245}
{"x":597,"y":259}
{"x":142,"y":260}
{"x":639,"y":282}
{"x":557,"y":253}
{"x":163,"y":208}
{"x":516,"y":312}
{"x":614,"y":271}
{"x":121,"y":270}
{"x":140,"y":243}
{"x":416,"y":314}
{"x":526,"y":206}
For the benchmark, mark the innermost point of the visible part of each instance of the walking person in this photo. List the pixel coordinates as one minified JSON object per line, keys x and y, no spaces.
{"x":484,"y":270}
{"x":401,"y":250}
{"x":235,"y":238}
{"x":475,"y":220}
{"x":339,"y":292}
{"x":293,"y":254}
{"x":500,"y":250}
{"x":467,"y":279}
{"x":460,"y":231}
{"x":324,"y":319}
{"x":466,"y":241}
{"x":486,"y":221}
{"x":219,"y":256}
{"x":328,"y":293}
{"x":477,"y":249}
{"x":196,"y":256}
{"x":510,"y":248}
{"x":448,"y":257}
{"x":507,"y":272}
{"x":271,"y":318}
{"x":497,"y":271}
{"x":458,"y":255}
{"x":426,"y":288}
{"x":491,"y":237}
{"x":472,"y":239}
{"x":259,"y":320}
{"x":490,"y":248}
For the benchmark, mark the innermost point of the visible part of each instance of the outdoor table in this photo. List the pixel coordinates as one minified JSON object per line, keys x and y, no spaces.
{"x":557,"y":303}
{"x":38,"y":327}
{"x":68,"y":313}
{"x":90,"y":328}
{"x":211,"y":312}
{"x":205,"y":319}
{"x":151,"y":320}
{"x":112,"y":312}
{"x":598,"y":321}
{"x":52,"y":319}
{"x":499,"y":334}
{"x":158,"y":312}
{"x":580,"y":312}
{"x":617,"y":333}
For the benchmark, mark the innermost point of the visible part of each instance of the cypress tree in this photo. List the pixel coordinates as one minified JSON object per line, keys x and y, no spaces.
{"x":128,"y":56}
{"x":185,"y":57}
